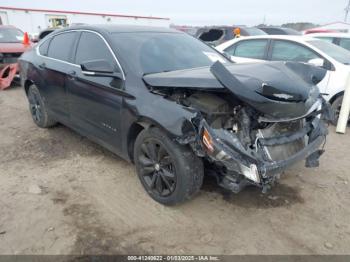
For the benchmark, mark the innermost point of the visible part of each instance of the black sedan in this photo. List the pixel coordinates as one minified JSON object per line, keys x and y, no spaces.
{"x":175,"y":107}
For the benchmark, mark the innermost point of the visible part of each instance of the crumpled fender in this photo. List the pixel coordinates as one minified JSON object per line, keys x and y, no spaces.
{"x":7,"y":73}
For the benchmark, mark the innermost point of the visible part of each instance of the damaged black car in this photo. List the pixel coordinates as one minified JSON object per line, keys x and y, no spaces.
{"x":177,"y":108}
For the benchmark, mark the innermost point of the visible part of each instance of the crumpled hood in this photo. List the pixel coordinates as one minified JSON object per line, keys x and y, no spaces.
{"x":277,"y":89}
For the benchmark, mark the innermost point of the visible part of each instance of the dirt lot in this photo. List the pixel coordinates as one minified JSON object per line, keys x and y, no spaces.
{"x":62,"y":194}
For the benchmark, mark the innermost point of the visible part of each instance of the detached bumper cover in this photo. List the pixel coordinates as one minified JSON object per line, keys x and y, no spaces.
{"x":7,"y":74}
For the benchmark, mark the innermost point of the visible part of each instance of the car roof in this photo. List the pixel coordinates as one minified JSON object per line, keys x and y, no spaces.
{"x":339,"y":35}
{"x":283,"y":37}
{"x":115,"y":28}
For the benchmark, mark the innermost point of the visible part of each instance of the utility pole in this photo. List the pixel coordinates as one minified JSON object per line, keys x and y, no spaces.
{"x":347,"y":9}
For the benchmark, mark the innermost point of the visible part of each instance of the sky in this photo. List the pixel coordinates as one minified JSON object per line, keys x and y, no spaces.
{"x":213,"y":12}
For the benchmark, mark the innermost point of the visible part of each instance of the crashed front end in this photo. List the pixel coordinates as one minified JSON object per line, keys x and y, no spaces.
{"x":257,"y":152}
{"x":259,"y":125}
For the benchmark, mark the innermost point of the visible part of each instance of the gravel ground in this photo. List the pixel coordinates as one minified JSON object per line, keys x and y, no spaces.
{"x":62,"y":194}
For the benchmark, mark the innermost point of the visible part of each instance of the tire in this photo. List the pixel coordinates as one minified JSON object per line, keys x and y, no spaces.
{"x":336,"y":106}
{"x":169,"y":172}
{"x":38,"y":109}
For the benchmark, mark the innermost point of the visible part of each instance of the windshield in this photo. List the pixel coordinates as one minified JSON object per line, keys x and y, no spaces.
{"x":152,"y":52}
{"x":338,"y":53}
{"x":10,"y":35}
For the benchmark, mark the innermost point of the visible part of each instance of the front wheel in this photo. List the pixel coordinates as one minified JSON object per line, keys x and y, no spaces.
{"x":169,"y":172}
{"x":336,"y":106}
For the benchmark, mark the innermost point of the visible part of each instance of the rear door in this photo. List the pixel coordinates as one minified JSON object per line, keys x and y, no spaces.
{"x":56,"y":63}
{"x":95,"y":102}
{"x":254,"y":50}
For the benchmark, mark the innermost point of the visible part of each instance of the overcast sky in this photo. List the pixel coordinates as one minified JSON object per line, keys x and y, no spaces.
{"x":196,"y":12}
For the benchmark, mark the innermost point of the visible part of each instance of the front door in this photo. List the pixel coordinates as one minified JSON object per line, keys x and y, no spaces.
{"x":94,"y":101}
{"x":248,"y":51}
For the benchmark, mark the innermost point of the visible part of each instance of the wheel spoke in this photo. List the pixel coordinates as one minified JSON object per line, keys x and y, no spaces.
{"x":161,"y":153}
{"x":166,"y":182}
{"x":151,"y":147}
{"x":159,"y":185}
{"x":165,"y":161}
{"x":144,"y":149}
{"x":145,"y":161}
{"x":153,"y":181}
{"x":147,"y":170}
{"x":168,"y":174}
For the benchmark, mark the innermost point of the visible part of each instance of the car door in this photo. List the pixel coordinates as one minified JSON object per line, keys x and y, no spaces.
{"x":55,"y":63}
{"x":254,"y":50}
{"x":95,"y":102}
{"x":286,"y":50}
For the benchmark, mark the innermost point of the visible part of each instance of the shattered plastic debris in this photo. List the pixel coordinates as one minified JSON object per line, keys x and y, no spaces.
{"x":7,"y":73}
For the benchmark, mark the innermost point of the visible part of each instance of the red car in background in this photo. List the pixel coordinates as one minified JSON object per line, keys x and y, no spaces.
{"x":13,"y":42}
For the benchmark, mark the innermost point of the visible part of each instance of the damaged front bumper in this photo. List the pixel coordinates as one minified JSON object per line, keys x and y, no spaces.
{"x":8,"y":72}
{"x":262,"y":163}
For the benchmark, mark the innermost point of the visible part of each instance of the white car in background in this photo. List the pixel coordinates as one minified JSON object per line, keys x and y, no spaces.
{"x":340,"y":39}
{"x":299,"y":49}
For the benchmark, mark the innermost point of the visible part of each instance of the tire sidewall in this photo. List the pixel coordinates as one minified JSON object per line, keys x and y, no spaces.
{"x":33,"y":90}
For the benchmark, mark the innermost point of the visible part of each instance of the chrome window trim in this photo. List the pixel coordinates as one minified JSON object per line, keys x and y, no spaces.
{"x":76,"y":65}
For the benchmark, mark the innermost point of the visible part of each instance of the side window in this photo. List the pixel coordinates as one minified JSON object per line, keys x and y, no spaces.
{"x":44,"y":47}
{"x":249,"y":49}
{"x":92,"y":47}
{"x":328,"y":39}
{"x":288,"y":51}
{"x":345,"y":43}
{"x":61,"y":46}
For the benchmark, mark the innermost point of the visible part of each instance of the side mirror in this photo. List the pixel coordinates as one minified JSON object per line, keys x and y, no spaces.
{"x":319,"y":62}
{"x":99,"y":67}
{"x":227,"y":55}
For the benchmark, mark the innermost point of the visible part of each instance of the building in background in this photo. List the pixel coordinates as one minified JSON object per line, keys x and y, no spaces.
{"x":35,"y":20}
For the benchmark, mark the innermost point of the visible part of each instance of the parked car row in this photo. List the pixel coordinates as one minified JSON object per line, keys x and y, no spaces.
{"x":177,"y":107}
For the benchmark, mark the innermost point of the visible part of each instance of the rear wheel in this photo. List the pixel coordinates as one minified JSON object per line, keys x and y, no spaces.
{"x":38,"y":108}
{"x":169,"y":172}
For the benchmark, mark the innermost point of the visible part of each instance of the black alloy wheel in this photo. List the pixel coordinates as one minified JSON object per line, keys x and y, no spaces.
{"x":38,"y":109}
{"x":169,"y":172}
{"x":157,"y":168}
{"x":35,"y":107}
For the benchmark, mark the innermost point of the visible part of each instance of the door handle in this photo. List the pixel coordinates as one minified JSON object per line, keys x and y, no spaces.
{"x":71,"y":74}
{"x":42,"y":65}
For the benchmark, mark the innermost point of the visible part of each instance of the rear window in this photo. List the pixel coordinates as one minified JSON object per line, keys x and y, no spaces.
{"x":11,"y":35}
{"x":212,"y":35}
{"x":61,"y":46}
{"x":44,"y":47}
